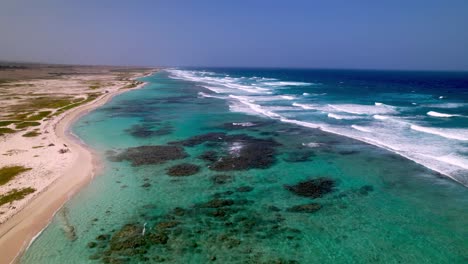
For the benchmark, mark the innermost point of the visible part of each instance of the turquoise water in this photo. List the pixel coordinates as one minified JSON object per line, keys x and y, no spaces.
{"x":376,"y":208}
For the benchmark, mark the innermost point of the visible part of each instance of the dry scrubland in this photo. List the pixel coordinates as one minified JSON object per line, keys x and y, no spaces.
{"x":33,"y":98}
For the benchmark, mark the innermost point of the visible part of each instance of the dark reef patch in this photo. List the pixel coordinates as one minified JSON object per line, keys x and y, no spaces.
{"x":245,"y":125}
{"x":305,"y":208}
{"x":221,"y":179}
{"x":366,"y":189}
{"x":314,"y":188}
{"x":146,"y":155}
{"x":184,"y":169}
{"x":259,"y":154}
{"x":299,"y":156}
{"x":249,"y":152}
{"x":244,"y":189}
{"x":209,"y":155}
{"x":348,"y":152}
{"x":218,"y":224}
{"x":146,"y":131}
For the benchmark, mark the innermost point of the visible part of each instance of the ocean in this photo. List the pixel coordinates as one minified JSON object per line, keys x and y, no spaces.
{"x":273,"y":166}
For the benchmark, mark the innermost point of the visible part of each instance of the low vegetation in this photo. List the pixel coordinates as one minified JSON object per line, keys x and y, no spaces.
{"x":9,"y":172}
{"x":7,"y":122}
{"x":39,"y":116}
{"x":31,"y":134}
{"x":27,"y":124}
{"x":15,"y":195}
{"x":133,"y":84}
{"x":90,"y":98}
{"x":6,"y":130}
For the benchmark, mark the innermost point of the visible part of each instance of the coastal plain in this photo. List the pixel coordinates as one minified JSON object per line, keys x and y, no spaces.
{"x":41,"y":163}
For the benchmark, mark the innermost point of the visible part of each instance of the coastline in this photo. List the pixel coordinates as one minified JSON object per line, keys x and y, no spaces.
{"x":20,"y":230}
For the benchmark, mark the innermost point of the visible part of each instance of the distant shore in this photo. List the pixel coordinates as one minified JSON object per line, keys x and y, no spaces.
{"x":80,"y":166}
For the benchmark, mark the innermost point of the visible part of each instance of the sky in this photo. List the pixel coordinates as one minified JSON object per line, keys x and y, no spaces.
{"x":362,"y":34}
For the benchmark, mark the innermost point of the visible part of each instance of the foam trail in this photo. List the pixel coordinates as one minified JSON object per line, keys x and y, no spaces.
{"x":361,"y":128}
{"x":305,"y":106}
{"x":301,"y":123}
{"x":312,"y":145}
{"x":454,"y":160}
{"x":244,"y":124}
{"x":202,"y":94}
{"x":358,"y":109}
{"x":437,"y":114}
{"x":335,"y":116}
{"x":256,"y":108}
{"x":457,"y":134}
{"x":380,"y":117}
{"x":287,"y":97}
{"x":287,"y":83}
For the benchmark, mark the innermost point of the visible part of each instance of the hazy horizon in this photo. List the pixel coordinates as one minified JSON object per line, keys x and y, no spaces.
{"x":421,"y":35}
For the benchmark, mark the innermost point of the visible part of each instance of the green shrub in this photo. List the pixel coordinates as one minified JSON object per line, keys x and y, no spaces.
{"x":9,"y":172}
{"x":31,"y":134}
{"x":6,"y":130}
{"x":15,"y":195}
{"x":27,"y":124}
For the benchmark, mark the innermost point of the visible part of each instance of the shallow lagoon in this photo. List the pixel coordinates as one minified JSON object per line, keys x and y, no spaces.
{"x":381,"y":208}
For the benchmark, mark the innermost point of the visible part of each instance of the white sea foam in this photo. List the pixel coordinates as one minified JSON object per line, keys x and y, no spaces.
{"x":202,"y":94}
{"x":380,"y":117}
{"x":437,"y":114}
{"x":305,"y":106}
{"x":280,"y":83}
{"x":235,"y":148}
{"x":301,"y":123}
{"x":457,"y":134}
{"x":436,"y":148}
{"x":255,"y":107}
{"x":339,"y":117}
{"x":361,"y":128}
{"x":288,"y":97}
{"x":244,"y":124}
{"x":358,"y":109}
{"x":311,"y":144}
{"x":335,"y":116}
{"x":445,"y":105}
{"x":455,"y":160}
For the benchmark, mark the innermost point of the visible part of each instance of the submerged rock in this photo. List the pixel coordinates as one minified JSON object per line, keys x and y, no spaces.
{"x":145,"y":131}
{"x":314,"y":188}
{"x":166,"y":225}
{"x":366,"y":189}
{"x":184,"y":169}
{"x":129,"y":236}
{"x":209,"y":156}
{"x":217,"y":203}
{"x":246,"y":152}
{"x":145,"y":155}
{"x":197,"y":140}
{"x":305,"y":208}
{"x":251,"y":156}
{"x":222,"y":179}
{"x":244,"y":189}
{"x":348,"y":152}
{"x":299,"y":156}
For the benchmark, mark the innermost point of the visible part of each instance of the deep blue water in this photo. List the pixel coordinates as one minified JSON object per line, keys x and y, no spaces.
{"x":421,"y":115}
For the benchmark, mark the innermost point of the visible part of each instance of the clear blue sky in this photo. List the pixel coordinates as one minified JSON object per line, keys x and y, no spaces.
{"x":410,"y":34}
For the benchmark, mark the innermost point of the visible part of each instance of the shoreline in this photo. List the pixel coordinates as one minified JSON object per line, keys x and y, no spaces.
{"x":19,"y":231}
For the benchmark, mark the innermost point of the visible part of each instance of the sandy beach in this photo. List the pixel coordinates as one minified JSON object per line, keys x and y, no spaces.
{"x":60,"y":167}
